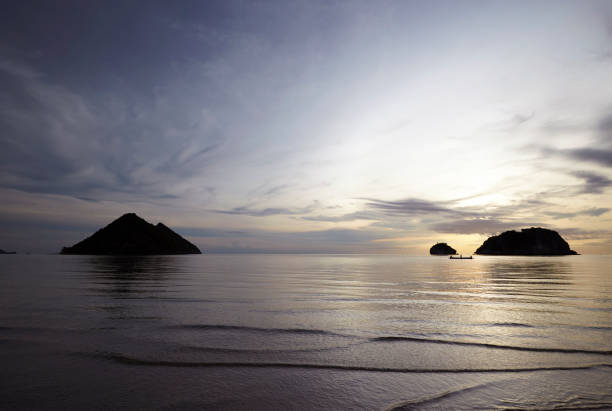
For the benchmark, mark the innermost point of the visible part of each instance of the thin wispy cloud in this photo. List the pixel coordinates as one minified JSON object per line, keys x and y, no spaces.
{"x":408,"y":207}
{"x":358,"y":215}
{"x":481,"y":226}
{"x":593,"y":212}
{"x":314,"y":241}
{"x":265,"y":212}
{"x":598,"y":151}
{"x":58,"y":141}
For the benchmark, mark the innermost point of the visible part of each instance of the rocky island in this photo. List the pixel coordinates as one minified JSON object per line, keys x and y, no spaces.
{"x":132,"y":235}
{"x":529,"y":241}
{"x":442,"y":249}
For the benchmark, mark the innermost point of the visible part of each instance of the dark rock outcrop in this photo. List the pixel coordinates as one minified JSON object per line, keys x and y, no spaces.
{"x":529,"y":241}
{"x":442,"y":249}
{"x":130,"y":234}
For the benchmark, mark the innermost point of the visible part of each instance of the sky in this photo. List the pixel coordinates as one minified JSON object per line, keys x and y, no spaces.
{"x":307,"y":126}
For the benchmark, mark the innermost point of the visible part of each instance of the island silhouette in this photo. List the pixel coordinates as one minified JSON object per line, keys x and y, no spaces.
{"x":442,"y":249}
{"x":528,"y":241}
{"x":132,"y":235}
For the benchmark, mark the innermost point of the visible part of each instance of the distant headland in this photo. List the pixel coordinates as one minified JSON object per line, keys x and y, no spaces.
{"x":132,"y":235}
{"x":7,"y":252}
{"x":442,"y":249}
{"x":529,"y":241}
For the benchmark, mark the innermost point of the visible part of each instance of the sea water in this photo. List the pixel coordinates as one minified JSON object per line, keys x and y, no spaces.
{"x":305,"y":332}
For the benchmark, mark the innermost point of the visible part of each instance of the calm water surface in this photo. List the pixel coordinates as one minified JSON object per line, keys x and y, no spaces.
{"x":305,"y":332}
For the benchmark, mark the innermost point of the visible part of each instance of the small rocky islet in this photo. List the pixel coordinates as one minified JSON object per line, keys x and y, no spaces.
{"x":132,"y":235}
{"x":442,"y":249}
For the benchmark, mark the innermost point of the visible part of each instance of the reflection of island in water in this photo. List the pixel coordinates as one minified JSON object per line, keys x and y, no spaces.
{"x":122,"y":278}
{"x":530,"y":277}
{"x":530,"y":269}
{"x":131,"y":269}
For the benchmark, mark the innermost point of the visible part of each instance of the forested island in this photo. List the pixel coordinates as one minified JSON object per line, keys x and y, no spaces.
{"x":528,"y":241}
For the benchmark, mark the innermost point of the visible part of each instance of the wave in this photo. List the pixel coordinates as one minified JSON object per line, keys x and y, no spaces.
{"x":593,"y":327}
{"x":225,"y":350}
{"x":135,"y":317}
{"x":358,"y":339}
{"x":510,"y":325}
{"x":19,"y":343}
{"x":571,"y":403}
{"x":9,"y":328}
{"x":489,"y":345}
{"x":553,"y":326}
{"x":569,"y":407}
{"x":258,"y":329}
{"x":384,"y":339}
{"x":127,"y":360}
{"x":37,"y":330}
{"x":408,"y":405}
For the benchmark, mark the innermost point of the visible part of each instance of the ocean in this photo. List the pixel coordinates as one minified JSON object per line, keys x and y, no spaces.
{"x":305,"y":332}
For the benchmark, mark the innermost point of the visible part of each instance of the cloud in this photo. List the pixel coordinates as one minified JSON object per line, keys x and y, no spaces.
{"x":18,"y":70}
{"x":572,"y":233}
{"x":605,"y":129}
{"x":183,"y":157}
{"x":410,"y":206}
{"x":377,"y":209}
{"x":481,"y":226}
{"x":265,"y":212}
{"x":316,"y":241}
{"x":276,"y":190}
{"x":344,"y":236}
{"x":519,"y":119}
{"x":601,"y":156}
{"x":213,"y":232}
{"x":593,"y":212}
{"x":599,"y":152}
{"x":266,"y":190}
{"x":486,"y":218}
{"x":603,"y":56}
{"x":358,"y":215}
{"x":98,"y":145}
{"x":593,"y":183}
